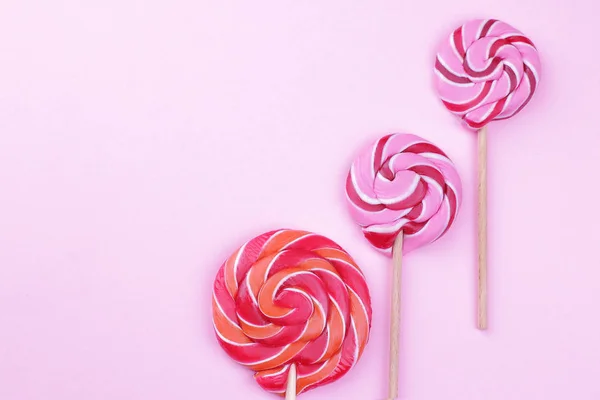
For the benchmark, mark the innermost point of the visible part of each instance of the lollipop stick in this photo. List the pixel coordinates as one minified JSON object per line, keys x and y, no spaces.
{"x":482,"y":232}
{"x":290,"y":392}
{"x":395,"y":316}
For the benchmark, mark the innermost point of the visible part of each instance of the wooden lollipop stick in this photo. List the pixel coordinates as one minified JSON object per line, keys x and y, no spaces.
{"x":482,"y":231}
{"x":290,"y":392}
{"x":395,"y":316}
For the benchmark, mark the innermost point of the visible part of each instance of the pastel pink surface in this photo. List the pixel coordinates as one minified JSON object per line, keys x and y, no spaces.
{"x":142,"y":142}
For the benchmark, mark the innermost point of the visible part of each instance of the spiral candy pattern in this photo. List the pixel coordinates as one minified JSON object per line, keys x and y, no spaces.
{"x":487,"y":70}
{"x":403,"y":183}
{"x":292,"y":297}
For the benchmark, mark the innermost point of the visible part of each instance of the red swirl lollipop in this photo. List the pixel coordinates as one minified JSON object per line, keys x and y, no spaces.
{"x":293,"y":307}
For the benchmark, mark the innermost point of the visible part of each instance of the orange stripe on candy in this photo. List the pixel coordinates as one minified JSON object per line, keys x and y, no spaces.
{"x":267,"y":293}
{"x":336,"y":334}
{"x":317,"y":263}
{"x":337,"y":254}
{"x":226,"y":328}
{"x":315,"y":326}
{"x":259,"y":332}
{"x":280,"y":240}
{"x":326,"y":370}
{"x":361,"y":321}
{"x":256,"y":274}
{"x":230,"y":278}
{"x":285,"y":356}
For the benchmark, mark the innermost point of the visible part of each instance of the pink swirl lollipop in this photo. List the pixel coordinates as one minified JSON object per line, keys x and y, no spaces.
{"x":404,"y":192}
{"x":404,"y":184}
{"x":486,"y":70}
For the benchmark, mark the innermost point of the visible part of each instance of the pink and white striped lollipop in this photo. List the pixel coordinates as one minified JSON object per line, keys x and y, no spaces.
{"x":403,"y":183}
{"x":485,"y":71}
{"x":404,"y":192}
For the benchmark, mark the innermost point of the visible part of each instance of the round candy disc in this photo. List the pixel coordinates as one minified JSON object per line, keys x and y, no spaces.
{"x":292,"y":297}
{"x":403,"y":183}
{"x":485,"y":71}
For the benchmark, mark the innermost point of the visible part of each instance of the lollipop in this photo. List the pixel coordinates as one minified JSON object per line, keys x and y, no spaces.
{"x":293,"y":307}
{"x":404,"y":192}
{"x":487,"y":70}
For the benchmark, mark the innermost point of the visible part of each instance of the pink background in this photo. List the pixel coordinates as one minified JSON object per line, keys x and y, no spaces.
{"x":142,"y":141}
